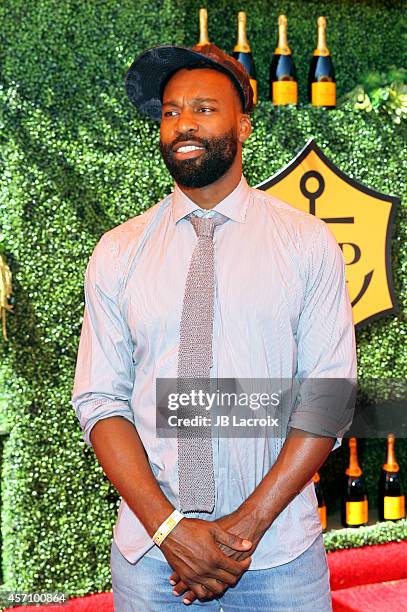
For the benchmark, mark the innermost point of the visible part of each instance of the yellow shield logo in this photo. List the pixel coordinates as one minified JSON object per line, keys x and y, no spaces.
{"x":360,"y":218}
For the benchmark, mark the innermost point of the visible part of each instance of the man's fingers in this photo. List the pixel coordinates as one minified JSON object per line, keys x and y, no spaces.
{"x":180,"y":588}
{"x":233,"y":567}
{"x":241,"y":556}
{"x":211,"y":588}
{"x":189,"y":597}
{"x":226,"y":577}
{"x":232,"y":540}
{"x":200,"y":591}
{"x":174,"y":578}
{"x":215,"y":587}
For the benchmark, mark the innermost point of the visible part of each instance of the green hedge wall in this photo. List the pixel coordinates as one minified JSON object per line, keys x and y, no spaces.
{"x":380,"y":533}
{"x":76,"y":160}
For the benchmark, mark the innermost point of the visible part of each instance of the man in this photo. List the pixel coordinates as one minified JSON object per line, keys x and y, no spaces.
{"x":218,"y":280}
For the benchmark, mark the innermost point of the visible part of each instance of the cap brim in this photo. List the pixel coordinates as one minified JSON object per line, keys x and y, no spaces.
{"x":150,"y":70}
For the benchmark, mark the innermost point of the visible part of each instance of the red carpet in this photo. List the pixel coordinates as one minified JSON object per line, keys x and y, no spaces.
{"x":390,"y":596}
{"x":367,"y":579}
{"x":367,"y":565}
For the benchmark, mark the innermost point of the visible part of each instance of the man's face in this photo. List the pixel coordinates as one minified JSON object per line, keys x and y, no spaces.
{"x":199,"y":126}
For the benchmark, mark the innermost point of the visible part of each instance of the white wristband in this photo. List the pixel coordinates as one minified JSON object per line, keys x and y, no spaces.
{"x":167,"y":526}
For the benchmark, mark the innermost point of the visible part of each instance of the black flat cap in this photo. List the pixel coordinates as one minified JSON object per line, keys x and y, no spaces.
{"x":150,"y":71}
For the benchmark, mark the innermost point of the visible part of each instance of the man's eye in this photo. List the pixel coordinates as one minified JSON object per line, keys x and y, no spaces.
{"x":170,"y":113}
{"x":205,"y":109}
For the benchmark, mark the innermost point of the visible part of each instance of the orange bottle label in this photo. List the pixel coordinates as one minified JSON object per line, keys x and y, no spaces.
{"x":322,"y":515}
{"x":285,"y":92}
{"x":394,"y":507}
{"x":253,"y":83}
{"x":323,"y":94}
{"x":356,"y":512}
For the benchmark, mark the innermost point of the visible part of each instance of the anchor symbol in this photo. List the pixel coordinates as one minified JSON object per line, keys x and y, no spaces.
{"x":312,"y":196}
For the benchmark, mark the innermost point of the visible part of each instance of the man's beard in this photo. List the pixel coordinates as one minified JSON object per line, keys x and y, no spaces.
{"x":208,"y":167}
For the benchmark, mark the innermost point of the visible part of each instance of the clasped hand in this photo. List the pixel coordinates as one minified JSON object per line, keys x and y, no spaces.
{"x":209,"y":556}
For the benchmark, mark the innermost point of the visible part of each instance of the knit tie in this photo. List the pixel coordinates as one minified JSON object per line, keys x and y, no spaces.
{"x":195,"y":458}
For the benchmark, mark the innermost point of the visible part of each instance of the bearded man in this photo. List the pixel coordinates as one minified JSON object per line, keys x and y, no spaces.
{"x":218,"y":280}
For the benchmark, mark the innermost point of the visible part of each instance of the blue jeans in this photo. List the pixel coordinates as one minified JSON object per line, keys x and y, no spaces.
{"x":301,"y":585}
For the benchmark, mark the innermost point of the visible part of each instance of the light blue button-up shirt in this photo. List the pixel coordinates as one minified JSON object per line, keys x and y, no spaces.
{"x":282,"y":311}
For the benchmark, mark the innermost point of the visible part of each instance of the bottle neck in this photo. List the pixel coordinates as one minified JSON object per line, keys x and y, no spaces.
{"x":354,"y":467}
{"x":203,"y":27}
{"x":282,"y":45}
{"x":322,"y":48}
{"x":391,"y":464}
{"x":242,"y":44}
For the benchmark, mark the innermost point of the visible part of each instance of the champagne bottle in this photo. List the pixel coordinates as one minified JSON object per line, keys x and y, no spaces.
{"x":354,"y":508}
{"x":243,"y":53}
{"x":321,"y":76}
{"x":283,"y":76}
{"x":391,"y":498}
{"x":321,"y":499}
{"x":203,"y":28}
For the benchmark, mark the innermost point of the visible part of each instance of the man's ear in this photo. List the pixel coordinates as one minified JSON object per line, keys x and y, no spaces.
{"x":245,"y":128}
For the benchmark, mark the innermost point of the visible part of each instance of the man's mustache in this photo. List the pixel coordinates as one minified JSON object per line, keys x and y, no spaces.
{"x":188,"y":137}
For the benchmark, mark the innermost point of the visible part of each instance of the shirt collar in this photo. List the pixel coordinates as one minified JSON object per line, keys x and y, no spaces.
{"x":234,"y":206}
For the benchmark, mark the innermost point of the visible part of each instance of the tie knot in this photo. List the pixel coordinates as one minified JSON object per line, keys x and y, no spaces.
{"x":205,"y":226}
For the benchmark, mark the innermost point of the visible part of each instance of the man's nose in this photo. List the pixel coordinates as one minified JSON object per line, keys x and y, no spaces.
{"x":187,"y":121}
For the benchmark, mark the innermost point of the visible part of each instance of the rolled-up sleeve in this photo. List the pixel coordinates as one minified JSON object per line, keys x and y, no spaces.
{"x":104,"y":375}
{"x":326,"y":344}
